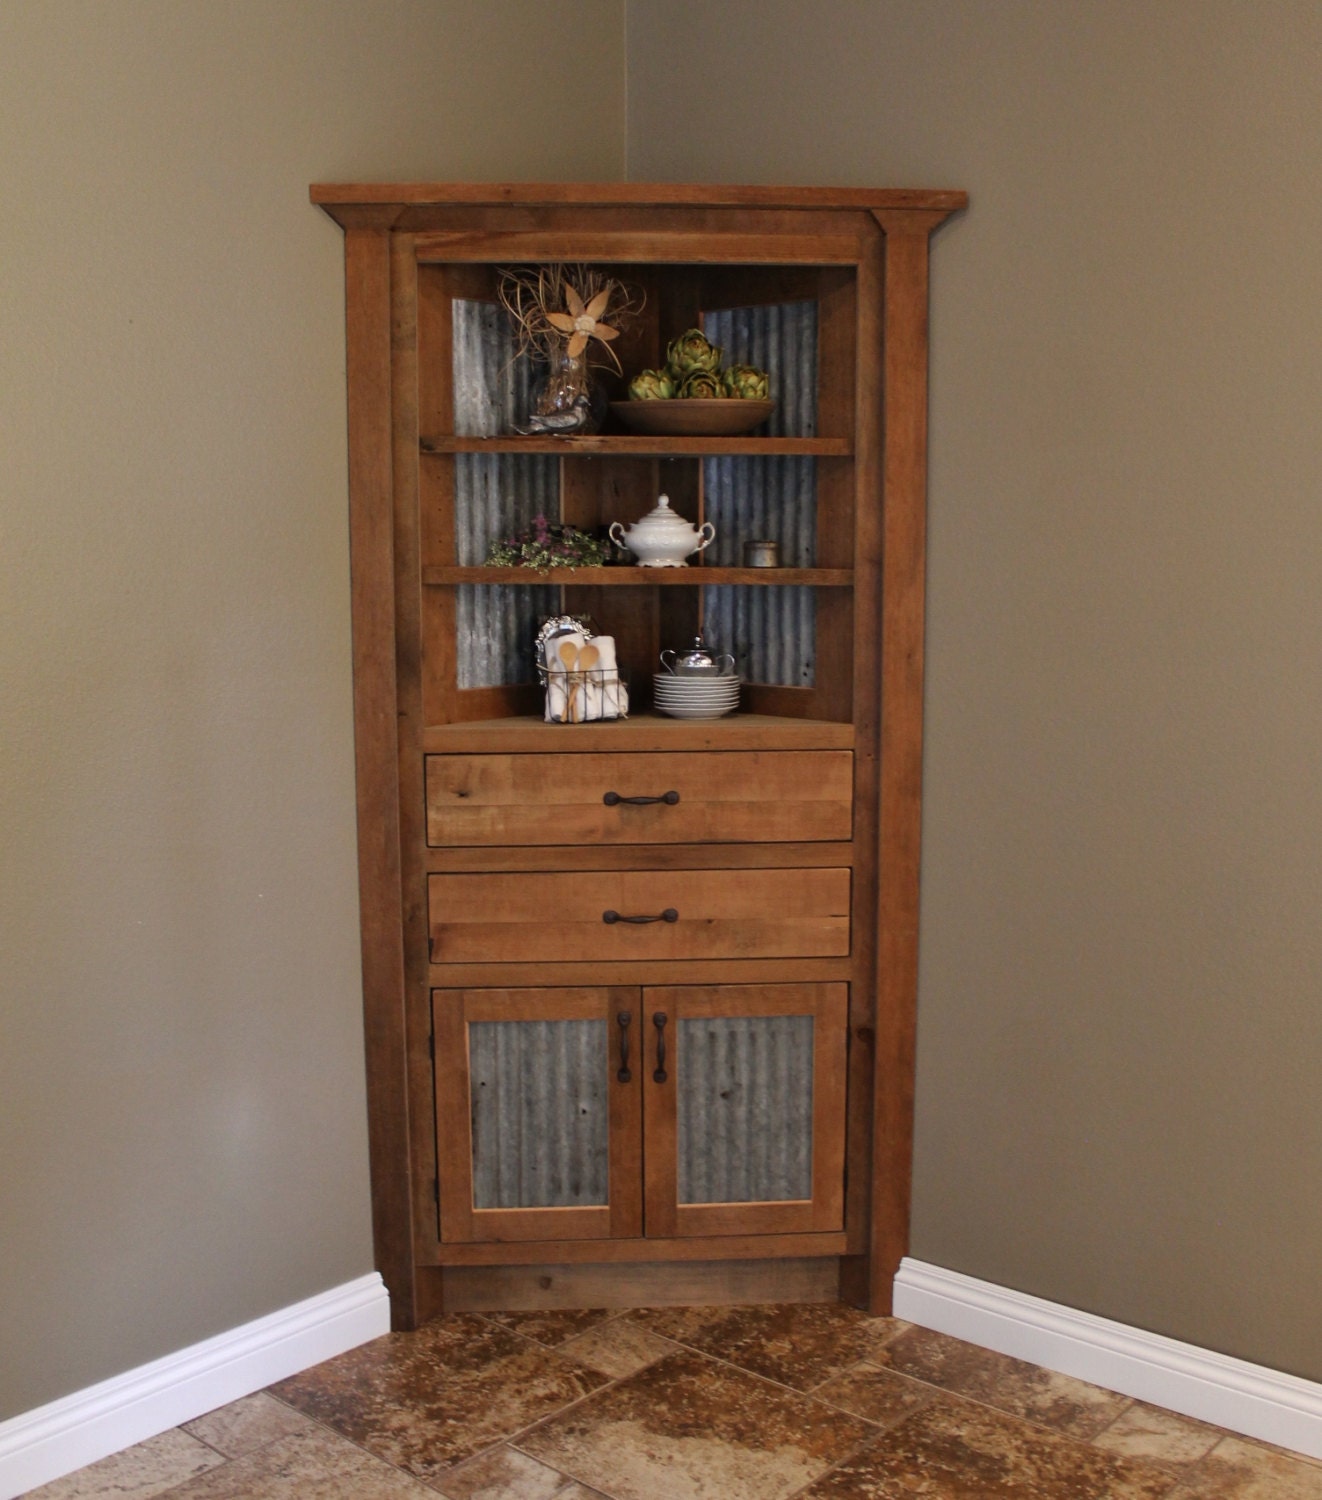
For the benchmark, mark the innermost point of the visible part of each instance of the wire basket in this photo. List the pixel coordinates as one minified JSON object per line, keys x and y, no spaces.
{"x":584,"y":696}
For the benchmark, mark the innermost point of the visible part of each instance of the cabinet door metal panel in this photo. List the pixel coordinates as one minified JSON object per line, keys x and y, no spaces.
{"x":539,"y":1110}
{"x":538,"y":1113}
{"x":744,"y":1108}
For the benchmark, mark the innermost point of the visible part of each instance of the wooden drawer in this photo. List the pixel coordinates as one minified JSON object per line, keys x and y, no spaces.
{"x":566,"y":917}
{"x":737,"y":796}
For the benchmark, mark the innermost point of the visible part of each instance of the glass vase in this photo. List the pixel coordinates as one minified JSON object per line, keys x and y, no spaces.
{"x":567,"y":400}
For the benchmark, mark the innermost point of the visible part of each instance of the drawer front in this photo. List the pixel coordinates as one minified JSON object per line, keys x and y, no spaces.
{"x":699,"y":797}
{"x":581,"y":916}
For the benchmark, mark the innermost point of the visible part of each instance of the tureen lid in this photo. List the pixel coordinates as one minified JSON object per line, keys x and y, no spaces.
{"x":661,"y":516}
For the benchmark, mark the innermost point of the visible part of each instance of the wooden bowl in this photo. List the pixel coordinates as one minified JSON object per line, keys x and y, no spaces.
{"x":681,"y":418}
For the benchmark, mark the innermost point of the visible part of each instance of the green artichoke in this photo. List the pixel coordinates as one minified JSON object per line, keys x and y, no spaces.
{"x":691,"y":353}
{"x":702,"y":385}
{"x":746,"y":382}
{"x":651,"y":385}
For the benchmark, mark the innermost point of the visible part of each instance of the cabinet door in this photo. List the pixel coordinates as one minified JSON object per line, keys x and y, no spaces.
{"x":538,"y":1113}
{"x":744,"y":1108}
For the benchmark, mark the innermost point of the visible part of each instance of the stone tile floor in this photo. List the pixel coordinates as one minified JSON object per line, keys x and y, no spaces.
{"x":748,"y":1403}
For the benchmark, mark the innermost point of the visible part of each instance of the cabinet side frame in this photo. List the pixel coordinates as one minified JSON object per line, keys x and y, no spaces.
{"x":904,"y":559}
{"x":376,"y":756}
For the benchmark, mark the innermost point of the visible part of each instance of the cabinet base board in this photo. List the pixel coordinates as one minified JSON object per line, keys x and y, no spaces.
{"x":806,"y":1246}
{"x":639,"y":1284}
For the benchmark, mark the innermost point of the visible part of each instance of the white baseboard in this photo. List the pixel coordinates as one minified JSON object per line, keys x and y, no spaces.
{"x":1246,"y":1398}
{"x":76,"y":1430}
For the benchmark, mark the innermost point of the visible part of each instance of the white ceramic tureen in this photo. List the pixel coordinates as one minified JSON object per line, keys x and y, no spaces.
{"x":662,"y":539}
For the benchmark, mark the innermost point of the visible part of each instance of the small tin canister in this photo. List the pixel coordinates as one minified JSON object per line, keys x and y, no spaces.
{"x":761,"y":554}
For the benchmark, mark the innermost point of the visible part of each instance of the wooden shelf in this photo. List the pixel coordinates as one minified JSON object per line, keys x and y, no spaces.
{"x":588,"y":445}
{"x":641,"y":731}
{"x":627,"y":577}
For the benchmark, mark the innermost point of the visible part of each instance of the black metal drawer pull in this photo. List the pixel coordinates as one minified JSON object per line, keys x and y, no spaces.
{"x":623,"y":1019}
{"x":669,"y":915}
{"x":659,"y":1021}
{"x":613,"y":799}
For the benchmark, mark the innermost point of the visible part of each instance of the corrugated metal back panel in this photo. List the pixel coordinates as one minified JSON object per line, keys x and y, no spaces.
{"x":761,"y":497}
{"x":496,"y":494}
{"x":497,"y":625}
{"x":540,"y":1117}
{"x":745,"y":1109}
{"x":782,"y":340}
{"x":499,"y":493}
{"x":770,"y":632}
{"x":491,"y":383}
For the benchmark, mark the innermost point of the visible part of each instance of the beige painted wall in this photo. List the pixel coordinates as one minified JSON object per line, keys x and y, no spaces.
{"x":182,"y":1138}
{"x":1121,"y":992}
{"x":1120,"y":1033}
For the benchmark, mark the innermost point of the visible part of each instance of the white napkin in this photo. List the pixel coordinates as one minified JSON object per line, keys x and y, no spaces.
{"x":602,"y":688}
{"x":562,"y":684}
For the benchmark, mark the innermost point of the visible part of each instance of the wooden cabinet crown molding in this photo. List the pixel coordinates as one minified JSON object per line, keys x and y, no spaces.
{"x":379,"y":204}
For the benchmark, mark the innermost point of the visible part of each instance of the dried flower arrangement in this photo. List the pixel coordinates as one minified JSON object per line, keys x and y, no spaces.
{"x":545,"y":545}
{"x":561,"y":309}
{"x":559,"y":315}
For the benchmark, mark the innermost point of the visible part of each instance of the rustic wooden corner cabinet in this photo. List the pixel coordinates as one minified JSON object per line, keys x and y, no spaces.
{"x":639,"y":993}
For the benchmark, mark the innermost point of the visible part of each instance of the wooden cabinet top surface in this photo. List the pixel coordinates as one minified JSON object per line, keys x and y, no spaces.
{"x":362,"y":203}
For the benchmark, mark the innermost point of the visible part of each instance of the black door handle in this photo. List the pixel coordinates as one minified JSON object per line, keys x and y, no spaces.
{"x":659,"y":1021}
{"x":669,"y":915}
{"x":622,"y":1020}
{"x":613,"y":799}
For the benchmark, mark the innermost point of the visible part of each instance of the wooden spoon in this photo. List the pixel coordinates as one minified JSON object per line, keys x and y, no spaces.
{"x":587,"y":659}
{"x":568,"y":654}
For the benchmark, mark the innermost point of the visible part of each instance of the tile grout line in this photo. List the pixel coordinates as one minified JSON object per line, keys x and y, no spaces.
{"x":509,"y":1439}
{"x":681,"y":1347}
{"x":1179,"y":1471}
{"x":1177,"y":1478}
{"x":490,"y":1447}
{"x":985,"y":1405}
{"x":770,"y":1379}
{"x":335,"y":1433}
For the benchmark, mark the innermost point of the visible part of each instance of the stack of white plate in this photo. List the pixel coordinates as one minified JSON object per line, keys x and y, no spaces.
{"x":696,"y":696}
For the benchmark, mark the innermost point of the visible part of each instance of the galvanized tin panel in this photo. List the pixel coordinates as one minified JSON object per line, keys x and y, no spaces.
{"x":491,"y":379}
{"x":495,"y":495}
{"x":782,"y":340}
{"x":761,"y":498}
{"x":770,"y":632}
{"x":745,"y":1104}
{"x":496,"y":625}
{"x":541,"y":1129}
